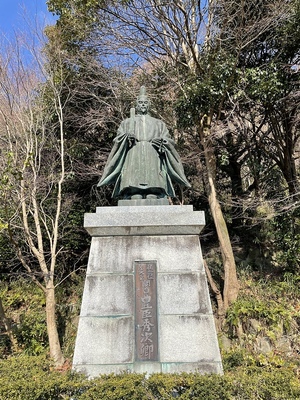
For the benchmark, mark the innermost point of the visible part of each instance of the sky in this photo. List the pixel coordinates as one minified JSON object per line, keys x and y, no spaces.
{"x":17,"y":15}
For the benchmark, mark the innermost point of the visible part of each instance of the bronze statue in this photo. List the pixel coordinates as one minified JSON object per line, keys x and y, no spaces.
{"x":143,"y":162}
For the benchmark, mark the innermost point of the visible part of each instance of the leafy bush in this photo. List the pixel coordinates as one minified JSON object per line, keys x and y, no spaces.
{"x":267,"y":384}
{"x":212,"y":387}
{"x":33,"y":378}
{"x":287,"y":242}
{"x":269,"y":312}
{"x":164,"y":386}
{"x":270,"y":301}
{"x":116,"y":387}
{"x":31,"y":332}
{"x":248,"y":376}
{"x":26,"y":304}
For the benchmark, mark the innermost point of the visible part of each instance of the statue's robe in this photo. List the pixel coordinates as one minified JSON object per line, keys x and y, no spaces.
{"x":147,"y":164}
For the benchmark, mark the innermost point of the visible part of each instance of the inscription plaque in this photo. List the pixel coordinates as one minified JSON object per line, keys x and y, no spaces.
{"x":146,"y":330}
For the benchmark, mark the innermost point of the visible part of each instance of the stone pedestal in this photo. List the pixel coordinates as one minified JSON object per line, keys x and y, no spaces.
{"x":145,"y":305}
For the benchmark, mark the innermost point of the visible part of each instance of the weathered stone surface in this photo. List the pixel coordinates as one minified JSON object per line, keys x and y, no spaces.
{"x":116,"y":254}
{"x":94,"y":370}
{"x":283,"y":345}
{"x":202,"y":368}
{"x":104,"y":341}
{"x":147,"y":367}
{"x":187,"y":339}
{"x":144,"y":202}
{"x":120,"y":210}
{"x":225,"y":342}
{"x":173,"y":289}
{"x":264,"y":345}
{"x":254,"y":325}
{"x":144,"y":220}
{"x":117,"y":295}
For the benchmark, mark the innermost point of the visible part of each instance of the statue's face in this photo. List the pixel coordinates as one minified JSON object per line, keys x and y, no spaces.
{"x":142,"y":105}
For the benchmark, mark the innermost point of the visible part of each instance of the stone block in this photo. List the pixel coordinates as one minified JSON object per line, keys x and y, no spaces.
{"x":202,"y":368}
{"x":183,"y":293}
{"x":94,"y":370}
{"x":185,"y":338}
{"x":144,"y":202}
{"x":116,"y":254}
{"x":264,"y":345}
{"x":147,"y":367}
{"x":144,"y":220}
{"x":104,"y":340}
{"x":108,"y":295}
{"x":284,"y":345}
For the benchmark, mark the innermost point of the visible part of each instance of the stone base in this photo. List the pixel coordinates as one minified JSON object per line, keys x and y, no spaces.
{"x":186,"y":338}
{"x":144,"y":202}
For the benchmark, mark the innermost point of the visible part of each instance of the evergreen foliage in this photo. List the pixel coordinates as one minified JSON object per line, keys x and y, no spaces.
{"x":32,"y":378}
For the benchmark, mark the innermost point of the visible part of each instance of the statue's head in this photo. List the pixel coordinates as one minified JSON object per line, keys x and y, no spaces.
{"x":142,"y":102}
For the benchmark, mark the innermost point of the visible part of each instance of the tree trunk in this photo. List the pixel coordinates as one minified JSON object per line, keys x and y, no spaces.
{"x":54,"y":343}
{"x":231,"y":285}
{"x":290,"y":175}
{"x":219,"y":298}
{"x":285,"y":159}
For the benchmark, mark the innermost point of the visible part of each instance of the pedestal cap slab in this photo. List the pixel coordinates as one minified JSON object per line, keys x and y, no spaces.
{"x":144,"y":220}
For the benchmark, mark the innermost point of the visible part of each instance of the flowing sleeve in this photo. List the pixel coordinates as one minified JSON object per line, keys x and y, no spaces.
{"x":116,"y":158}
{"x":173,"y":165}
{"x":165,"y":146}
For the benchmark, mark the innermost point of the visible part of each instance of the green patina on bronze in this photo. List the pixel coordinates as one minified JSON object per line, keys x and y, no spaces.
{"x":143,"y":162}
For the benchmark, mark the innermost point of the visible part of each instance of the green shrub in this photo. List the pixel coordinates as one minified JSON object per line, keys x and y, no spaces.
{"x":266,"y":384}
{"x":31,"y":332}
{"x":168,"y":386}
{"x":26,"y":305}
{"x":210,"y":387}
{"x":269,"y":312}
{"x":116,"y":387}
{"x":32,"y":378}
{"x":235,"y":358}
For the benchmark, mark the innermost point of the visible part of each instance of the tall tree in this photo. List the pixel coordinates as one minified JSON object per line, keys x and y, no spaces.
{"x":33,"y":170}
{"x":181,"y":32}
{"x":205,"y":44}
{"x":201,"y":48}
{"x":268,"y":55}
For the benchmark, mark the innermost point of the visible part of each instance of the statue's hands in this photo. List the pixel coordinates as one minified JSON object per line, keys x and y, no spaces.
{"x":131,"y":140}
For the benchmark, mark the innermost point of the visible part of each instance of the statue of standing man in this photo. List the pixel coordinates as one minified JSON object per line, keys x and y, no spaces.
{"x":143,"y":162}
